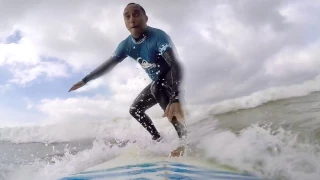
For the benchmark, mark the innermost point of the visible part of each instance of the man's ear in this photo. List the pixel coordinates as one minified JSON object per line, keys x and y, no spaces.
{"x":147,"y":18}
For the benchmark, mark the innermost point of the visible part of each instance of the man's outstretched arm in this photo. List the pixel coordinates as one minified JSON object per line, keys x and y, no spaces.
{"x":105,"y":67}
{"x":101,"y":70}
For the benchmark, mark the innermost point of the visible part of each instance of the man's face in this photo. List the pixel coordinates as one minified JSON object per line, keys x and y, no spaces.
{"x":135,"y":20}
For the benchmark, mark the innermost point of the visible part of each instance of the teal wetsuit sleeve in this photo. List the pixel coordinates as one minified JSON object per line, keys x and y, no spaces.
{"x":167,"y":50}
{"x":109,"y":64}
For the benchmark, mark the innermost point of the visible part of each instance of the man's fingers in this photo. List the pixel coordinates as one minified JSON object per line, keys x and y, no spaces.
{"x":77,"y":85}
{"x":179,"y":114}
{"x":174,"y":110}
{"x":165,"y":114}
{"x":180,"y":117}
{"x":74,"y":87}
{"x":170,"y":115}
{"x":71,"y":89}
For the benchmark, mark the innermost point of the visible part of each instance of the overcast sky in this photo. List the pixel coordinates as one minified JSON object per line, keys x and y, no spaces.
{"x":228,"y":49}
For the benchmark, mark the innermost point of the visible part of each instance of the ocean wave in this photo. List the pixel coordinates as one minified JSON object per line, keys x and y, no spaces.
{"x":259,"y":98}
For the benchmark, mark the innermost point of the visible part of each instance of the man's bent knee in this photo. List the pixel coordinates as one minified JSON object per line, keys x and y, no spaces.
{"x":133,"y":111}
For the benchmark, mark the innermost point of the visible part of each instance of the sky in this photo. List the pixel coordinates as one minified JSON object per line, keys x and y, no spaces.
{"x":228,"y":49}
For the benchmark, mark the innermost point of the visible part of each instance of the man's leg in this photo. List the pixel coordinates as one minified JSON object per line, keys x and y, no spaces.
{"x":159,"y":91}
{"x":144,"y":101}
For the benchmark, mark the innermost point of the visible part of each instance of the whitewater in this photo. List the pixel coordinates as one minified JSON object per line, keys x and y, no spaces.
{"x":272,"y":133}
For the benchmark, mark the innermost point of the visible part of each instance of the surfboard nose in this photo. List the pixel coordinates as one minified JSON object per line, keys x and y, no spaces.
{"x":129,"y":167}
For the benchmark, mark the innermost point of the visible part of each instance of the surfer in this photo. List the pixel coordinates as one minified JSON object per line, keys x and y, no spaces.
{"x":154,"y":50}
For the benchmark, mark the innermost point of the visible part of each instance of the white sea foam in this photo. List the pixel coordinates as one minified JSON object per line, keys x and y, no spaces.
{"x":100,"y":152}
{"x":270,"y":154}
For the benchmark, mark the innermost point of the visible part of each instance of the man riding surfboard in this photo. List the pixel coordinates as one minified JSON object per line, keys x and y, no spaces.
{"x":154,"y":50}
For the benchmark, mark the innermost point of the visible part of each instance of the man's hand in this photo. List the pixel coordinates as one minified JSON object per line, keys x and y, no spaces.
{"x":178,"y":152}
{"x":174,"y":109}
{"x":77,"y":86}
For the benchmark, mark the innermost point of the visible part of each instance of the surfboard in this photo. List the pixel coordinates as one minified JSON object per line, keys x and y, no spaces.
{"x":134,"y":167}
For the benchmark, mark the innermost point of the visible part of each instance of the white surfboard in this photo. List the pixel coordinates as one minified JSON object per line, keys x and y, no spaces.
{"x":133,"y":167}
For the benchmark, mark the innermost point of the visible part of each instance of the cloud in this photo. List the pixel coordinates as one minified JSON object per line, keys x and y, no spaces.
{"x":49,"y":69}
{"x":23,"y":52}
{"x":294,"y":61}
{"x":25,"y":63}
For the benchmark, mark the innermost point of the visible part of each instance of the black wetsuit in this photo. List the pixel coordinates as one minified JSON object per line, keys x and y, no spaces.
{"x":156,"y":54}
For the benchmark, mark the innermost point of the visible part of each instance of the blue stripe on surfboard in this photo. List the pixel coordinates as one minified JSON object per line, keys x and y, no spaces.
{"x":180,"y":177}
{"x":134,"y":172}
{"x":184,"y":177}
{"x":168,"y":163}
{"x":180,"y":165}
{"x":200,"y":172}
{"x":144,"y":165}
{"x":153,"y":170}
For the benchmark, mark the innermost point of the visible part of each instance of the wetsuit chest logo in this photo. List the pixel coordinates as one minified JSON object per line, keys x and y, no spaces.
{"x":144,"y":64}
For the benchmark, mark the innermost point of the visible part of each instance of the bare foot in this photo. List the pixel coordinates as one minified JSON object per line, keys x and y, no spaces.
{"x":178,"y":152}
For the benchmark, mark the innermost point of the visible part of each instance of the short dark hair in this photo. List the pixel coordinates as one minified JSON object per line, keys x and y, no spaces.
{"x":141,"y":8}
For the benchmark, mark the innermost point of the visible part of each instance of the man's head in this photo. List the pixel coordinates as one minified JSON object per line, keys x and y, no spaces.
{"x":135,"y":19}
